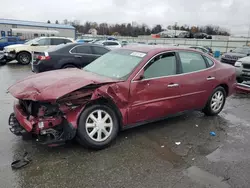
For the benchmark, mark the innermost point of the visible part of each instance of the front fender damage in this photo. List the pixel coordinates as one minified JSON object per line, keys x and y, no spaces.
{"x":57,"y":121}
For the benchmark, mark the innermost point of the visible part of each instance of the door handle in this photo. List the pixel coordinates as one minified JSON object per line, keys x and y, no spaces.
{"x":78,"y":56}
{"x":173,"y":85}
{"x":210,"y":78}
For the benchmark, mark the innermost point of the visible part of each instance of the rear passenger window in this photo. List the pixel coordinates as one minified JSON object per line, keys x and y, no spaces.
{"x":192,"y":62}
{"x":67,"y":41}
{"x":83,"y":50}
{"x":99,"y":50}
{"x":57,"y":41}
{"x":161,"y":65}
{"x":210,"y":62}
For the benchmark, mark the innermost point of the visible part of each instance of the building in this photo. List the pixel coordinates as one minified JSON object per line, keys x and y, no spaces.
{"x":93,"y":31}
{"x":31,"y":29}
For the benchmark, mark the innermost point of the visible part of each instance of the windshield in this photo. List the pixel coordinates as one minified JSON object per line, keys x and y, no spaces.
{"x":116,"y":64}
{"x":32,"y":41}
{"x":242,"y":50}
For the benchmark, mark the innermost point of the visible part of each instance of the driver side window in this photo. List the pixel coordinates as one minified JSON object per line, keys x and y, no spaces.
{"x":162,"y":65}
{"x":43,"y":42}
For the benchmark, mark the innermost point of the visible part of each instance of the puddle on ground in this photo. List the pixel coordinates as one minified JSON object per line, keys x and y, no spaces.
{"x":165,"y":153}
{"x":205,"y":178}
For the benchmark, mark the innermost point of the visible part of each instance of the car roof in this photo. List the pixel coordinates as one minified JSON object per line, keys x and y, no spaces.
{"x":55,"y":38}
{"x":156,"y":48}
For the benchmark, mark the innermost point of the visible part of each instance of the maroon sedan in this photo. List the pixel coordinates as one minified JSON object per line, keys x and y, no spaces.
{"x":124,"y":88}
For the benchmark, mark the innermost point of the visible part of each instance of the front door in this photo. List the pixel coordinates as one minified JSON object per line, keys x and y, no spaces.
{"x":42,"y":45}
{"x":197,"y":80}
{"x":157,"y":94}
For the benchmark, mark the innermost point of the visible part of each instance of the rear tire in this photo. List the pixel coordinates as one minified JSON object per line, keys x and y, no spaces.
{"x":239,"y":80}
{"x":215,"y":102}
{"x":69,"y":66}
{"x":98,"y":126}
{"x":24,"y":58}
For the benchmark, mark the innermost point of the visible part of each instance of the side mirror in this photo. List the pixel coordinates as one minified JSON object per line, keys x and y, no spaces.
{"x":140,"y":76}
{"x":35,"y":44}
{"x":231,"y":50}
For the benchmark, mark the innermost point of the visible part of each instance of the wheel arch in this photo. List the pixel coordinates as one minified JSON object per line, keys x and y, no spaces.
{"x":225,"y":86}
{"x":109,"y":102}
{"x":22,"y":52}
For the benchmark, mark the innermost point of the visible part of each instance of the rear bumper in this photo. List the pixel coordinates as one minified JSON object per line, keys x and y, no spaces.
{"x":41,"y":66}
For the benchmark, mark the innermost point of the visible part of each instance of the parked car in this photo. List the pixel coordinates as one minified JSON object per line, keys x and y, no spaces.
{"x":202,"y":36}
{"x":84,"y":40}
{"x":242,"y":66}
{"x":111,"y":44}
{"x":23,"y":52}
{"x":202,"y":49}
{"x":72,"y":55}
{"x":232,"y":56}
{"x":185,"y":35}
{"x":126,"y":87}
{"x":6,"y":41}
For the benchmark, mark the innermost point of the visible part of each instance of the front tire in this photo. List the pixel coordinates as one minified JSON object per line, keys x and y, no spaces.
{"x":24,"y":58}
{"x":215,"y":102}
{"x":98,"y":126}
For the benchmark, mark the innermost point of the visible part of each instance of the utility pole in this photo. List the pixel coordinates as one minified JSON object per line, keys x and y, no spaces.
{"x":175,"y":26}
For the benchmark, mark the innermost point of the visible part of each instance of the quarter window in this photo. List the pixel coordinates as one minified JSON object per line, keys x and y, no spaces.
{"x":161,"y":65}
{"x":99,"y":50}
{"x":209,"y":61}
{"x":192,"y":62}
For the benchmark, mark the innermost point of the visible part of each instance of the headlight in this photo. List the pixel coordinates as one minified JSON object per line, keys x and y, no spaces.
{"x":238,"y":64}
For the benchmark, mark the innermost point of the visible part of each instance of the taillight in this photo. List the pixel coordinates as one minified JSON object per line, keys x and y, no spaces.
{"x":41,"y":57}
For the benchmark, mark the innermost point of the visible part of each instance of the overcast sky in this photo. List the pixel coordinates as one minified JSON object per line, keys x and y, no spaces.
{"x":231,"y":14}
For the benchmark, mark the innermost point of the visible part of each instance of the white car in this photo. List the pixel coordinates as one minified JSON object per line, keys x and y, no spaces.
{"x":111,"y":44}
{"x":242,"y":66}
{"x":23,"y":52}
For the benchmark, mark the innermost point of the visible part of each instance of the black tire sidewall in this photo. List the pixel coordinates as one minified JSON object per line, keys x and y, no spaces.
{"x":21,"y":53}
{"x":82,"y":135}
{"x":208,"y":110}
{"x":68,"y":66}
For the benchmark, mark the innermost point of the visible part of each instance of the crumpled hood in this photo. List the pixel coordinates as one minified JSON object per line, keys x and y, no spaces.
{"x":51,"y":85}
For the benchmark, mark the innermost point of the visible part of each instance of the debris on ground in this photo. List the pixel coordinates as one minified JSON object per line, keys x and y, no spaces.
{"x":177,"y":143}
{"x":162,"y":146}
{"x":193,"y":159}
{"x":196,"y":125}
{"x":212,"y":133}
{"x":21,"y":162}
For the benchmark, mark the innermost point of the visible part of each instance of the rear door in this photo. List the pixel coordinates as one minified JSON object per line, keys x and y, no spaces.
{"x":197,"y":80}
{"x":83,"y":55}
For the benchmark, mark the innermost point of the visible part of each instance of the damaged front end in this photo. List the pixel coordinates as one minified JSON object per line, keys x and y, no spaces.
{"x":45,"y":121}
{"x":52,"y":123}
